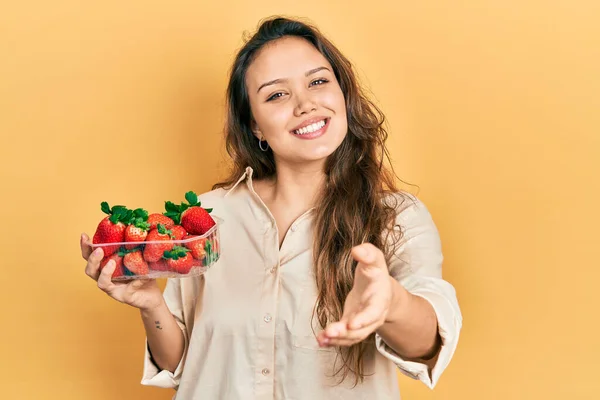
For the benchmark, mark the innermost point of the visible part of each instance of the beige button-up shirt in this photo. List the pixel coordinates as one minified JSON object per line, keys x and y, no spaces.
{"x":247,"y":321}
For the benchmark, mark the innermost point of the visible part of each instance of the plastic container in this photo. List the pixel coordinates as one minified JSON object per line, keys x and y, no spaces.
{"x":191,"y":256}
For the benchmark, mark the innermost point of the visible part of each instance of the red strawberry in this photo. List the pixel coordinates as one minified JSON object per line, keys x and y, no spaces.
{"x":196,"y":247}
{"x":119,"y":265}
{"x":156,"y":218}
{"x":160,"y":265}
{"x":138,"y":228}
{"x":136,"y":263}
{"x":180,"y":260}
{"x":154,"y":251}
{"x":134,"y":234}
{"x":112,"y":228}
{"x":179,"y":232}
{"x":196,"y":220}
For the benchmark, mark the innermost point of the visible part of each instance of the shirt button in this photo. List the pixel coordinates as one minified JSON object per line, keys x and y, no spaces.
{"x":273,"y":270}
{"x":267,"y":318}
{"x":293,"y":228}
{"x":265,"y":371}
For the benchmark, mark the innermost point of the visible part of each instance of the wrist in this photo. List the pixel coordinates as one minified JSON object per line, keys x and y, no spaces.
{"x":153,"y":306}
{"x":401,"y":300}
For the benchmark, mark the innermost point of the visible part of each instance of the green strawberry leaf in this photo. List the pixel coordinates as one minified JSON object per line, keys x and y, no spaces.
{"x":208,"y":249}
{"x":171,"y":207}
{"x":164,"y":231}
{"x":105,"y":208}
{"x":141,"y":213}
{"x":123,"y":251}
{"x":208,"y":210}
{"x":183,"y":207}
{"x":127,"y":272}
{"x":192,"y":198}
{"x":140,"y":223}
{"x":114,"y":218}
{"x":127,"y":217}
{"x":119,"y":209}
{"x":176,"y":253}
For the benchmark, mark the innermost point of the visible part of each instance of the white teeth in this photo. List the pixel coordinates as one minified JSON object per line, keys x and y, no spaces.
{"x":310,"y":128}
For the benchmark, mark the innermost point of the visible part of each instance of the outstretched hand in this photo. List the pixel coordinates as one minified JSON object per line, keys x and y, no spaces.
{"x":368,"y":303}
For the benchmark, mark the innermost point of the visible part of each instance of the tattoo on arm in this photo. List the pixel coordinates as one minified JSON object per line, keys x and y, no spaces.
{"x":158,"y":325}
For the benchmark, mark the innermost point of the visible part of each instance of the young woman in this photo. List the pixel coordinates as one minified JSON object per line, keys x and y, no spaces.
{"x":329,"y":276}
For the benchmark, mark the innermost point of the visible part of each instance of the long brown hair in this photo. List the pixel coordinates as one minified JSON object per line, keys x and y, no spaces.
{"x":351,"y":207}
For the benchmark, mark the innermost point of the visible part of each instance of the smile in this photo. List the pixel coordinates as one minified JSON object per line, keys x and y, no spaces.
{"x":313,"y":130}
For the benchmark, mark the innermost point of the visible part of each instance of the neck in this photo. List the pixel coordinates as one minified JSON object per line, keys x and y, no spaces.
{"x":296,"y":186}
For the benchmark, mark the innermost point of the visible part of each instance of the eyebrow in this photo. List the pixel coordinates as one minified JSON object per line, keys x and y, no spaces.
{"x":275,"y":81}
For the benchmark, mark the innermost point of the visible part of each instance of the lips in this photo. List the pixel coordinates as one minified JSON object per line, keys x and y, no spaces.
{"x":308,"y":122}
{"x":312,"y":131}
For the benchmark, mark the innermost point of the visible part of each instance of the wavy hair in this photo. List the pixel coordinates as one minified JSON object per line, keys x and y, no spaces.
{"x":351,"y":207}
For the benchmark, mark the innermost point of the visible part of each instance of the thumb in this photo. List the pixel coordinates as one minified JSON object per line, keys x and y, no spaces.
{"x":365,"y":254}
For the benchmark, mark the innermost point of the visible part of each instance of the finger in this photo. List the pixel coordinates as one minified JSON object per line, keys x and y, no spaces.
{"x":368,"y":255}
{"x":335,"y":329}
{"x":86,"y":249}
{"x":93,"y":263}
{"x":359,"y":334}
{"x":352,"y":337}
{"x":105,"y":279}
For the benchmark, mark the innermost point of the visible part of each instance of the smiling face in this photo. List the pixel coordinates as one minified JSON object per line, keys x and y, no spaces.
{"x":296,"y":101}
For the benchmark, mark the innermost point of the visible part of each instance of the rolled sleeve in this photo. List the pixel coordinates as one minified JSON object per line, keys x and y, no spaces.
{"x":449,"y":326}
{"x":417,"y":265}
{"x":152,"y":375}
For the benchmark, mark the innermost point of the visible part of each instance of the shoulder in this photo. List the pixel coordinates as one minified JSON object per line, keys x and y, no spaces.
{"x":408,"y":207}
{"x":212,"y":197}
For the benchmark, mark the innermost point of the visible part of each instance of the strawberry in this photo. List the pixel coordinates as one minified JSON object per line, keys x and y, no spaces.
{"x":156,"y":218}
{"x":112,"y":228}
{"x":194,"y":218}
{"x":134,"y":234}
{"x":180,"y":260}
{"x":196,"y":247}
{"x":119,"y":265}
{"x":179,"y":232}
{"x":154,"y":251}
{"x":138,"y":228}
{"x":135,"y":262}
{"x":160,"y":265}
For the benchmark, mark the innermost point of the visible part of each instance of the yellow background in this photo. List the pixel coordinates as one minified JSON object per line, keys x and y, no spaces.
{"x":493,"y":110}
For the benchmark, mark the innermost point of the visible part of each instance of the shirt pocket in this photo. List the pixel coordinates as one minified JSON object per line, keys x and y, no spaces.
{"x":306,"y":326}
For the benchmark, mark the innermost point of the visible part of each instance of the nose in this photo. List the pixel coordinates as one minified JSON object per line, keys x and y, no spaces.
{"x":304,"y":104}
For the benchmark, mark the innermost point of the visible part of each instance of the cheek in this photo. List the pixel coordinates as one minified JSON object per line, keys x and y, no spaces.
{"x":335,"y":101}
{"x":271,"y":119}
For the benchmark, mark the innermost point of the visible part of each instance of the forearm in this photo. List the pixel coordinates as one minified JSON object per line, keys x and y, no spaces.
{"x":165,"y":337}
{"x":411,"y":328}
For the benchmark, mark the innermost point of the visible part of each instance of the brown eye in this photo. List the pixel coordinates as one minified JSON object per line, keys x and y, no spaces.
{"x":319,"y":81}
{"x":275,"y":96}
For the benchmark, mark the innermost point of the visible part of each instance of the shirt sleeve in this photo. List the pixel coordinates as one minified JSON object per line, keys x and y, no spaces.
{"x":152,"y":374}
{"x":417,"y":265}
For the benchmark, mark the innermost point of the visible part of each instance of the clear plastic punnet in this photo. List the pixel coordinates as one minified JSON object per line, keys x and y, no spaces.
{"x":191,"y":256}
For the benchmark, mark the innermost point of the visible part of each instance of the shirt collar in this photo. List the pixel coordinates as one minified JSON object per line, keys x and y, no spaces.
{"x":246,"y":175}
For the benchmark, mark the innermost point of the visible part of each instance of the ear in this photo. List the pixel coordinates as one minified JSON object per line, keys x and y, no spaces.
{"x":254,"y":128}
